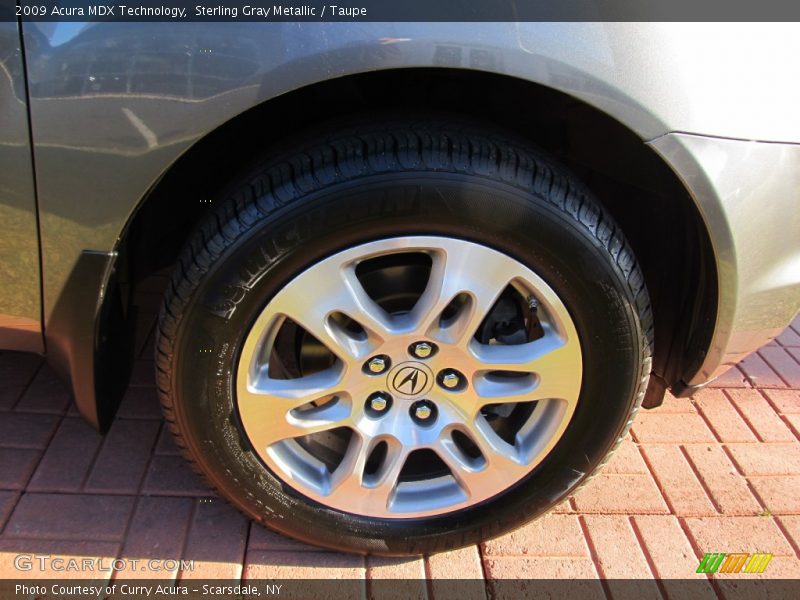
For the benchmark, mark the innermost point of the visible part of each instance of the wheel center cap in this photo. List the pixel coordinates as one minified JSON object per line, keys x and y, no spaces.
{"x":410,"y":380}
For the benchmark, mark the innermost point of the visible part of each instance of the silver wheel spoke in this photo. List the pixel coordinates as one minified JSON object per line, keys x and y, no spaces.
{"x":499,"y":454}
{"x":550,"y":359}
{"x":468,"y":474}
{"x":313,"y":300}
{"x":384,"y":483}
{"x":269,"y":408}
{"x":490,"y":390}
{"x":348,"y":478}
{"x":271,"y":422}
{"x":478,"y":273}
{"x":499,"y":460}
{"x":356,"y":304}
{"x":349,"y":482}
{"x":301,"y":389}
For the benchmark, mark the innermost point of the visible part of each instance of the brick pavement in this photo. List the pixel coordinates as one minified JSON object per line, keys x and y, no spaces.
{"x":719,"y":472}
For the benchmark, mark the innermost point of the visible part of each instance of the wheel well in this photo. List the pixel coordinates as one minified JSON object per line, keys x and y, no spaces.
{"x":657,"y":214}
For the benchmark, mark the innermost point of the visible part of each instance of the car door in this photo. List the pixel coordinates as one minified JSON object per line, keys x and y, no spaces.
{"x":20,"y":292}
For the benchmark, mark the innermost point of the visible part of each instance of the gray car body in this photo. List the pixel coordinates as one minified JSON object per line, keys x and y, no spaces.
{"x":717,"y":103}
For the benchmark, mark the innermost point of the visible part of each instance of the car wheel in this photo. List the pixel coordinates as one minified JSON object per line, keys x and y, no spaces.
{"x":403,"y":338}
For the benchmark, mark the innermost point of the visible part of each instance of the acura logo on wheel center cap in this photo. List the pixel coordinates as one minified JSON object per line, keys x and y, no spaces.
{"x":410,"y":379}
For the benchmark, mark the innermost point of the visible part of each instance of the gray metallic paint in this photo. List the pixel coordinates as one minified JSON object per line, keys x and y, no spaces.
{"x":115,"y":104}
{"x":749,"y":196}
{"x":20,"y":310}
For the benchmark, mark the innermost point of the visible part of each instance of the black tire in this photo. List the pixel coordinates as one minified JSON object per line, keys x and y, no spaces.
{"x":375,"y":181}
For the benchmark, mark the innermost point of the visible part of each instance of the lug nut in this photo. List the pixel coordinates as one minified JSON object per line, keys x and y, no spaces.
{"x":423,"y":412}
{"x":451,"y":379}
{"x":422,"y":349}
{"x":378,"y":402}
{"x":377,"y":364}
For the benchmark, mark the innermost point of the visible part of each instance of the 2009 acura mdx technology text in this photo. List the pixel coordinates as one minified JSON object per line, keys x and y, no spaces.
{"x":422,"y":275}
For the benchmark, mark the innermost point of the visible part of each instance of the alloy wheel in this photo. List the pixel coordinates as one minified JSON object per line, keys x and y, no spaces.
{"x":409,"y":377}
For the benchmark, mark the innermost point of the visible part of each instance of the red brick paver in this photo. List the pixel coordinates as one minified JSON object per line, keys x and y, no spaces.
{"x":716,"y":473}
